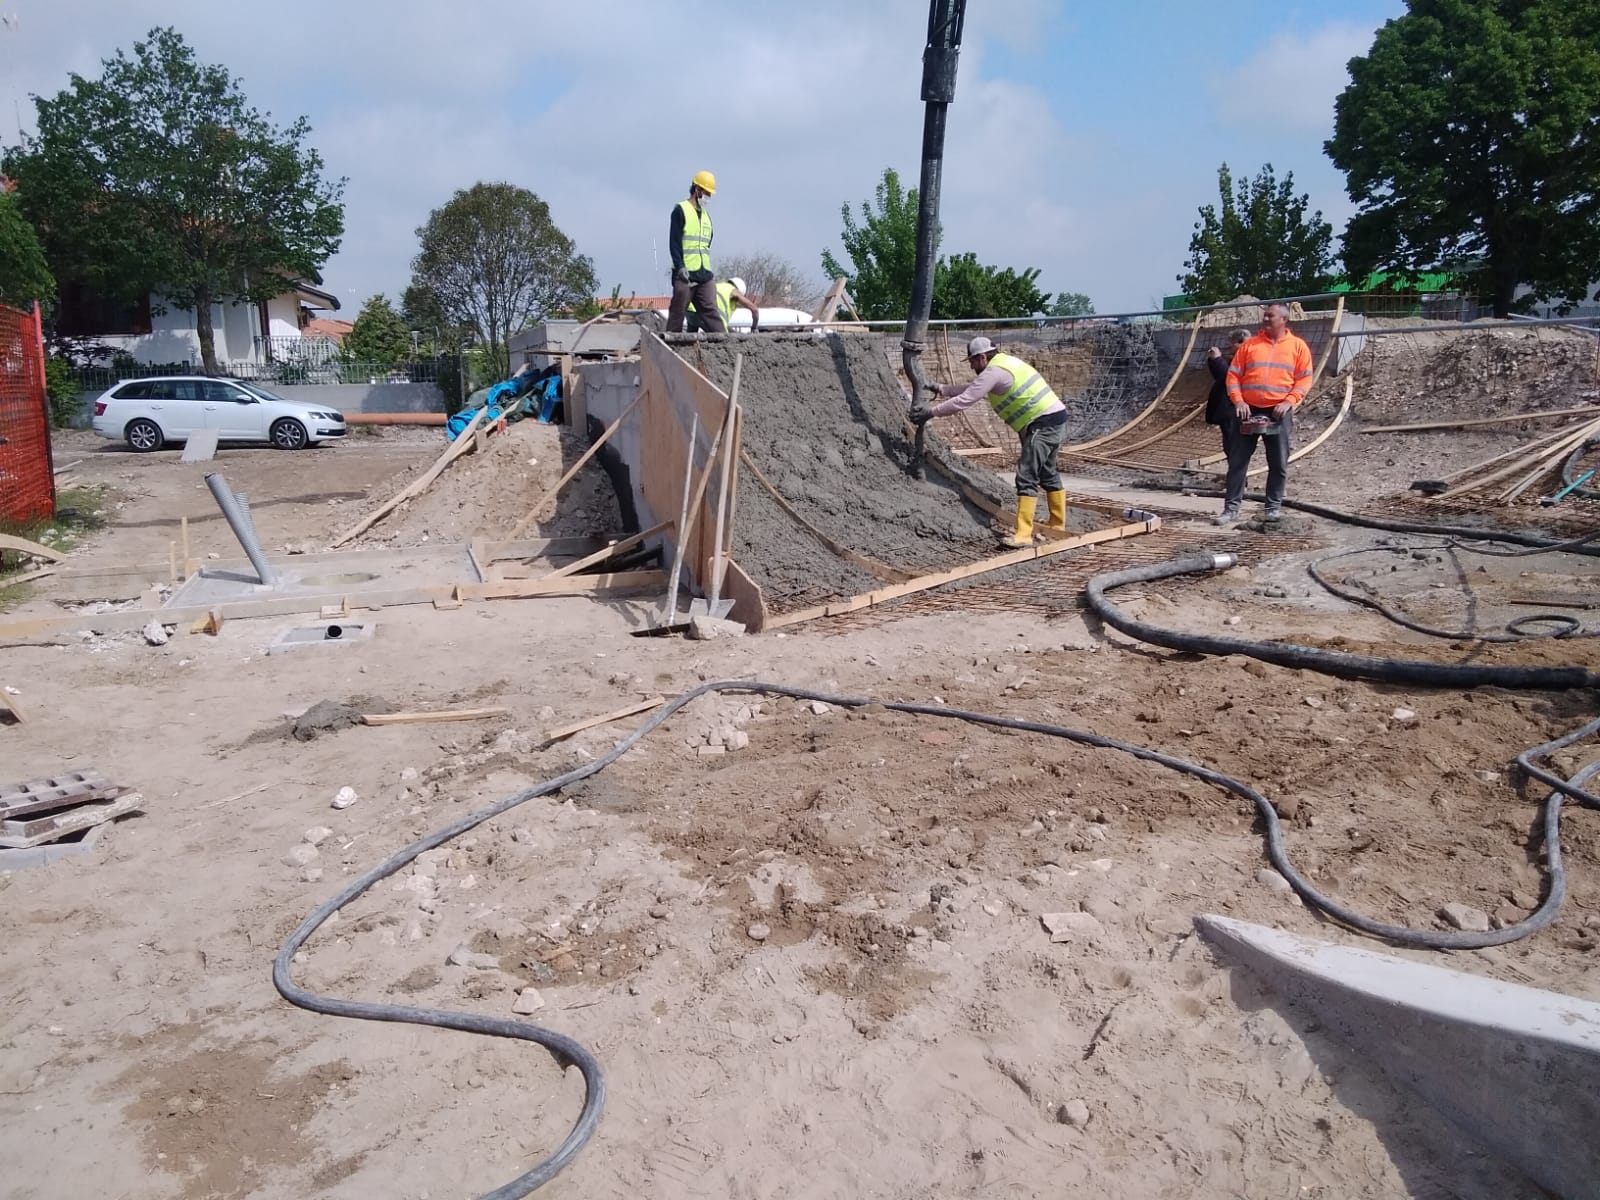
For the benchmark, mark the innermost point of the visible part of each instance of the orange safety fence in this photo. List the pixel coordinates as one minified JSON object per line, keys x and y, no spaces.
{"x":27,"y":475}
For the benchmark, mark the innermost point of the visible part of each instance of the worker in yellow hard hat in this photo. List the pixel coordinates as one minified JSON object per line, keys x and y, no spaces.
{"x":689,"y":238}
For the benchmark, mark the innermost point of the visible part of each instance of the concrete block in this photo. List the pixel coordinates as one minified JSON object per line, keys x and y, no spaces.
{"x":1515,"y":1069}
{"x":43,"y":856}
{"x":333,"y":633}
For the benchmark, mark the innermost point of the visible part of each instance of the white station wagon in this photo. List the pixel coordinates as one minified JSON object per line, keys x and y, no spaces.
{"x":149,"y":413}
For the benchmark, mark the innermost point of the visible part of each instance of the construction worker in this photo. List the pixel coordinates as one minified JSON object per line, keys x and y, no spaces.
{"x":1024,"y":401}
{"x":730,"y":295}
{"x":689,"y":238}
{"x":1269,"y":376}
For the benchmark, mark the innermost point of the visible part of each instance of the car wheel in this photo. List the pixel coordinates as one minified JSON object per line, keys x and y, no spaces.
{"x":144,"y":436}
{"x":289,"y":434}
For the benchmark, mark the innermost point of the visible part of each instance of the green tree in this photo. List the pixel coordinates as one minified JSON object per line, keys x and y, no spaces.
{"x":964,"y":287}
{"x":882,"y":248}
{"x":1071,"y":304}
{"x":379,"y":335}
{"x":493,"y":260}
{"x":1468,"y":135}
{"x":24,"y":275}
{"x":159,"y":177}
{"x":1260,"y":243}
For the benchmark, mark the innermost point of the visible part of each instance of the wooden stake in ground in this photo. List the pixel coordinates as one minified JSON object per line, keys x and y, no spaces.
{"x":533,"y":512}
{"x":728,"y":452}
{"x":683,"y":519}
{"x":694,"y":515}
{"x":464,"y":442}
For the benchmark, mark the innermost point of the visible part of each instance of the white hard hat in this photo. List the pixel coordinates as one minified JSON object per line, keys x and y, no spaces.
{"x":738,"y":284}
{"x":979,"y":345}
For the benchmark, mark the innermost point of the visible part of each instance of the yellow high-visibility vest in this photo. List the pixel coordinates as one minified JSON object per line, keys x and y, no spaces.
{"x":1030,"y":396}
{"x":696,"y":237}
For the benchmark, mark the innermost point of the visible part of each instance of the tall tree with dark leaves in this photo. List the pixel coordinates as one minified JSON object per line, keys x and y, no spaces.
{"x":492,"y":259}
{"x":1259,"y":242}
{"x":24,"y":275}
{"x":160,"y":177}
{"x":1468,"y":137}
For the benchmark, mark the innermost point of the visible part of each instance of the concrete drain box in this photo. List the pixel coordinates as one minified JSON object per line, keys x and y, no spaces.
{"x":330,"y":633}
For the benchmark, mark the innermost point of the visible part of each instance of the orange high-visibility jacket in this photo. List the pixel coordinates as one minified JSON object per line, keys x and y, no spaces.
{"x":1267,"y":373}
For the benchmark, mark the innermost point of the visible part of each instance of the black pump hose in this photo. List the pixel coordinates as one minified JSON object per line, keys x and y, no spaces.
{"x":1581,"y":545}
{"x":1308,"y":658}
{"x":570,"y":1051}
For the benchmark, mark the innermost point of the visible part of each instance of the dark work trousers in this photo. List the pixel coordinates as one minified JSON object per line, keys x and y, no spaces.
{"x":1241,"y":448}
{"x":1036,"y":465}
{"x":704,"y":295}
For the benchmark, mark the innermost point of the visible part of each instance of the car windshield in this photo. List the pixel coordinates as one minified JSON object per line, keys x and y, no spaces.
{"x":260,"y":391}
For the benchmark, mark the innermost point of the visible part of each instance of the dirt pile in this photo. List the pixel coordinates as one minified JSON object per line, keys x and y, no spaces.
{"x":1407,"y":377}
{"x":824,"y":422}
{"x":486,"y":494}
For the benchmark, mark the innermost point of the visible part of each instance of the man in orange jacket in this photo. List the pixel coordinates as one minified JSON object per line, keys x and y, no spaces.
{"x":1270,"y":375}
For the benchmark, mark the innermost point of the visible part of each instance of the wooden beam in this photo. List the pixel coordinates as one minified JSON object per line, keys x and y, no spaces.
{"x":724,"y":480}
{"x":443,"y":714}
{"x":1514,"y":452}
{"x":573,"y":585}
{"x":589,"y":560}
{"x":562,"y":732}
{"x":464,"y":442}
{"x":1590,"y":410}
{"x":1564,"y":442}
{"x":981,"y":567}
{"x":532,"y":514}
{"x":1546,"y":460}
{"x":31,"y":549}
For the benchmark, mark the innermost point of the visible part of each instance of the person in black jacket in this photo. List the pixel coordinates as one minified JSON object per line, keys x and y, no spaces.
{"x":1219,"y":410}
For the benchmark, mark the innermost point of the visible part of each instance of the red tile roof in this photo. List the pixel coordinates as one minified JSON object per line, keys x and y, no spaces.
{"x":326,"y":327}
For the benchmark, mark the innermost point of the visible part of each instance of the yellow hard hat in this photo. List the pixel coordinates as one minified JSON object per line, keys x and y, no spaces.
{"x":706,"y":182}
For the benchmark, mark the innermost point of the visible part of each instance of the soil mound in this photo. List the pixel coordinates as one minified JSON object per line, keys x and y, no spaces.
{"x":488,"y":493}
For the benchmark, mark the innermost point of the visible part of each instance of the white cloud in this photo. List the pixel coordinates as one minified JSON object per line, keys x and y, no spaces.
{"x":606,"y":110}
{"x":1293,"y":80}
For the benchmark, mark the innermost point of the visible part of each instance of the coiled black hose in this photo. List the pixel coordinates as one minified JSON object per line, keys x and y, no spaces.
{"x":571,"y":1052}
{"x":1516,"y":631}
{"x":1309,"y":658}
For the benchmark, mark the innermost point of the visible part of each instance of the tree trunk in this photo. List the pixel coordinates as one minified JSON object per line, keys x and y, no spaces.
{"x":203,"y":330}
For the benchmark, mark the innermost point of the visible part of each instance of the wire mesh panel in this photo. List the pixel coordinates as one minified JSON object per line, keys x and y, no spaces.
{"x":27,"y":482}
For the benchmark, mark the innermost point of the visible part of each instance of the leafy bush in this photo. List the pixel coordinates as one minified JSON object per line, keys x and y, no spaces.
{"x":65,"y":396}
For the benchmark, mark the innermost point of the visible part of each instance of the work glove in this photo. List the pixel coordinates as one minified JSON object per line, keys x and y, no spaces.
{"x":679,"y":275}
{"x":921,"y":413}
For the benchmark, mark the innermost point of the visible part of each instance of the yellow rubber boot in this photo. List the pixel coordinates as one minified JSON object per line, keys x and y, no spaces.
{"x":1058,"y":509}
{"x":1024,"y":532}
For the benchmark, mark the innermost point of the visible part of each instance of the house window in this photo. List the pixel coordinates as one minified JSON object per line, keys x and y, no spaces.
{"x":85,"y":312}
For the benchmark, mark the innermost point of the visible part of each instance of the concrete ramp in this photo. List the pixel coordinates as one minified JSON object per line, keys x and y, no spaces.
{"x":1516,"y":1069}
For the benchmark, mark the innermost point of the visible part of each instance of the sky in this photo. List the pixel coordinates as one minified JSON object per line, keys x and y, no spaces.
{"x":1083,"y":138}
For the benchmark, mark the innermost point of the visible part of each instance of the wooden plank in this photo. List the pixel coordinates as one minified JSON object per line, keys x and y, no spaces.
{"x":682,"y":522}
{"x":1514,"y":452}
{"x":455,"y":450}
{"x":1549,"y":461}
{"x":1563,"y":443}
{"x":54,"y":791}
{"x":85,"y":817}
{"x":577,"y":585}
{"x":725,"y":471}
{"x":683,"y":535}
{"x":749,"y":608}
{"x":1589,"y":410}
{"x":31,"y":549}
{"x":561,"y":732}
{"x":532,"y":514}
{"x":574,"y":547}
{"x":9,"y":703}
{"x":981,"y":567}
{"x":1149,"y":409}
{"x":878,"y":570}
{"x":443,"y":714}
{"x":599,"y":556}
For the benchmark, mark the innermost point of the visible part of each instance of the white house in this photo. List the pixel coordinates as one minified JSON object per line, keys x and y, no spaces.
{"x":155,"y":331}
